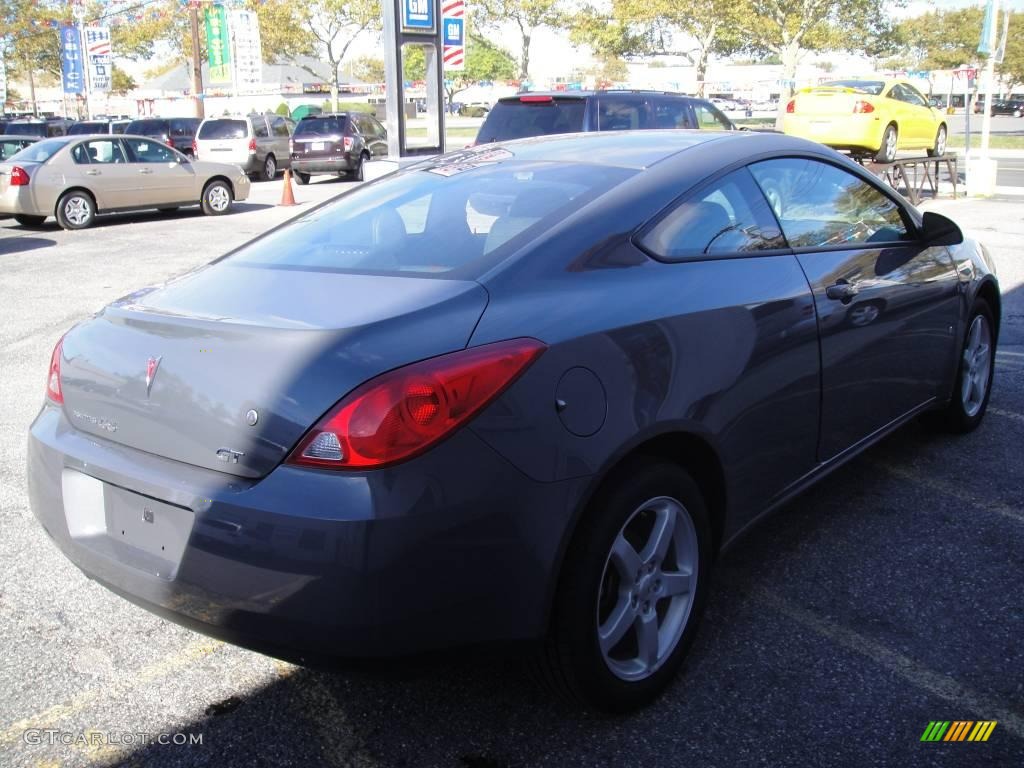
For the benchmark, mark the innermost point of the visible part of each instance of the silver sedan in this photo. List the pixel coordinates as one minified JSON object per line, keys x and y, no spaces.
{"x":76,"y":177}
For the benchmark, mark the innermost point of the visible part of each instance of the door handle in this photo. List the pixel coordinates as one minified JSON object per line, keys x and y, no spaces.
{"x":92,"y":172}
{"x":841,"y":291}
{"x":145,"y":170}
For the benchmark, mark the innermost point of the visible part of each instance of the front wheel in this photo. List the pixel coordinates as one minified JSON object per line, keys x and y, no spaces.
{"x":216,"y":198}
{"x":632,"y":589}
{"x":76,"y":210}
{"x":976,"y":369}
{"x":939,"y":148}
{"x":887,"y":152}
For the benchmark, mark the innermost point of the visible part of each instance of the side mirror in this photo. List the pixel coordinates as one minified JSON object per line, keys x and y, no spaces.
{"x":938,"y":230}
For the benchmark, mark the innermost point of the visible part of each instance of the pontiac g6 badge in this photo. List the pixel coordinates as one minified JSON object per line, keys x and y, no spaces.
{"x":151,"y":365}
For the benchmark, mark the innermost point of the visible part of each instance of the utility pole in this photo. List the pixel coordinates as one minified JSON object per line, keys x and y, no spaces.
{"x":32,"y":89}
{"x":197,"y":59}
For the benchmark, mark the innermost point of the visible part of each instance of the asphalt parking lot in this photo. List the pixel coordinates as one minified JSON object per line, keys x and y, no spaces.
{"x":887,"y":597}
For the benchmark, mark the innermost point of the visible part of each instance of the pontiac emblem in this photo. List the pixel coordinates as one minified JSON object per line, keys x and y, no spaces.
{"x":151,"y":365}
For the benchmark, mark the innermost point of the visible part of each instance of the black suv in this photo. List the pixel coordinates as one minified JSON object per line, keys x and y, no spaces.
{"x":41,"y":129}
{"x":337,"y":143}
{"x":541,"y":114}
{"x":176,"y":132}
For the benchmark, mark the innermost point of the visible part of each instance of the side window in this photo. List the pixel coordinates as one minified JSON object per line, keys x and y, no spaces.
{"x":914,"y":97}
{"x":617,"y":113}
{"x":379,"y":129}
{"x":280,"y":127}
{"x":356,"y":122}
{"x":820,"y":205}
{"x":259,"y":128}
{"x":728,"y":216}
{"x":147,"y":151}
{"x":101,"y":151}
{"x":670,"y":113}
{"x":179,"y":128}
{"x":709,"y":118}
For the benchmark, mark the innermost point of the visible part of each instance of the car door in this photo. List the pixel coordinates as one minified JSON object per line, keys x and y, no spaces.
{"x":907,"y":122}
{"x":921,"y":114}
{"x":163,"y":176}
{"x":887,"y":306}
{"x":102,"y":167}
{"x":280,"y":138}
{"x":261,"y":132}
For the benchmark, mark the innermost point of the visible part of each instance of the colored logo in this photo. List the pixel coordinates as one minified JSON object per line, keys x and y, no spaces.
{"x":151,"y":365}
{"x":958,"y":730}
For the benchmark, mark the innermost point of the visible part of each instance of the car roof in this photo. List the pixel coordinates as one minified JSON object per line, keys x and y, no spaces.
{"x":599,"y":92}
{"x":627,"y":149}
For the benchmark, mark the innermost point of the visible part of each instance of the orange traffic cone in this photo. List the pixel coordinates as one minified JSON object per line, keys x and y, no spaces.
{"x":287,"y":196}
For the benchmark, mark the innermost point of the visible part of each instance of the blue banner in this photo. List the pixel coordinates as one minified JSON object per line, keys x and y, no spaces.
{"x":71,"y":59}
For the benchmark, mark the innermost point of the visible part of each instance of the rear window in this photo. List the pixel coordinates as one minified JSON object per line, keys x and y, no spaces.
{"x":515,"y":119}
{"x":321,"y":126}
{"x":9,"y":147}
{"x":454,"y":218}
{"x":223,"y":129}
{"x":872,"y":87}
{"x":40,"y":151}
{"x":147,"y":126}
{"x":26,"y":129}
{"x":184,"y":126}
{"x":80,"y":128}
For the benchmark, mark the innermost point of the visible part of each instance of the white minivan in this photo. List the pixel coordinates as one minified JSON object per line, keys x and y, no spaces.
{"x":256,"y":143}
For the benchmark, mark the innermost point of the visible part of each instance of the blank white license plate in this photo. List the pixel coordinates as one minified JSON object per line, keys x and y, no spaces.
{"x":318,"y":145}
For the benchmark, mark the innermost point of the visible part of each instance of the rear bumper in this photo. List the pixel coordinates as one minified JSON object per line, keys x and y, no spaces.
{"x":20,"y":200}
{"x":323,"y":165}
{"x":454,"y":547}
{"x":842,"y":132}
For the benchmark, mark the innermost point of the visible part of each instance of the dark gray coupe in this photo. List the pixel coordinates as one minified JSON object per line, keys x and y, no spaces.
{"x":525,"y":391}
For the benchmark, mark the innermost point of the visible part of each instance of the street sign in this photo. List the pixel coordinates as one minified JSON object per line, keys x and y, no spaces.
{"x":418,"y":17}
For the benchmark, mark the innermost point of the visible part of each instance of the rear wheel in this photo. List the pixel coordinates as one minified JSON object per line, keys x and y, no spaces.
{"x":216,"y":198}
{"x":357,"y":174}
{"x":974,"y":377}
{"x":890,"y":138}
{"x":1018,"y":113}
{"x":29,"y":221}
{"x":632,"y":589}
{"x":301,"y":178}
{"x":269,"y":168}
{"x":939,"y":148}
{"x":76,"y":210}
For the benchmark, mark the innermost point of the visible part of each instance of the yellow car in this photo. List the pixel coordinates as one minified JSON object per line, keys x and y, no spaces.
{"x":867,"y":116}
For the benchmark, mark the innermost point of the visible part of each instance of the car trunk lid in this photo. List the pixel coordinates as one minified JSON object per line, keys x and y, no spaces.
{"x":228,"y":367}
{"x":827,"y":100}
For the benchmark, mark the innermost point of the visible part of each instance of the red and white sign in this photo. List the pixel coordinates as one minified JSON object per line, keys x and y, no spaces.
{"x":453,"y":26}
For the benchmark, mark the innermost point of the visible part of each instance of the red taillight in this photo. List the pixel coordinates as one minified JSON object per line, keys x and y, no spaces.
{"x":170,"y":142}
{"x":403,"y":412}
{"x":19,"y":177}
{"x":195,"y":147}
{"x":535,"y":99}
{"x":791,"y":106}
{"x":53,"y":390}
{"x":861,"y":107}
{"x":347,"y":143}
{"x":252,"y":144}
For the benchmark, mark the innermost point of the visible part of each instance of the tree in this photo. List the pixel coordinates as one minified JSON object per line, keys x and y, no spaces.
{"x":790,"y":29}
{"x":527,"y":15}
{"x":369,"y":69}
{"x":485,"y":62}
{"x":940,"y":39}
{"x":694,"y":30}
{"x":121,"y":82}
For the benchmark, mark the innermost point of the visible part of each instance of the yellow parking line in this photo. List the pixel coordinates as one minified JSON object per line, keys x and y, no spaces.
{"x":935,"y":683}
{"x":950,"y":489}
{"x":130,"y":681}
{"x":1007,"y":414}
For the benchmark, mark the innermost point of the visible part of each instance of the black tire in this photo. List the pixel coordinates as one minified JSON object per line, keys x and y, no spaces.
{"x":571,"y":662}
{"x":357,"y":173}
{"x":887,"y":152}
{"x":300,"y":178}
{"x":269,"y":172}
{"x":1018,"y":113}
{"x":76,"y":210}
{"x":959,"y":417}
{"x":938,"y":149}
{"x":29,"y":221}
{"x":214,"y":202}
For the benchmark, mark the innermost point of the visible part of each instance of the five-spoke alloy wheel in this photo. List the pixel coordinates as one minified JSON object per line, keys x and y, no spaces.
{"x":974,"y":377}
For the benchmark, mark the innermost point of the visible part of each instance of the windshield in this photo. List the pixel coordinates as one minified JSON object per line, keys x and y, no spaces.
{"x":455,"y":217}
{"x":40,"y":151}
{"x":223,"y":129}
{"x":26,"y":129}
{"x":515,"y":119}
{"x":146,"y":127}
{"x":871,"y":87}
{"x":80,"y":128}
{"x":321,"y":126}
